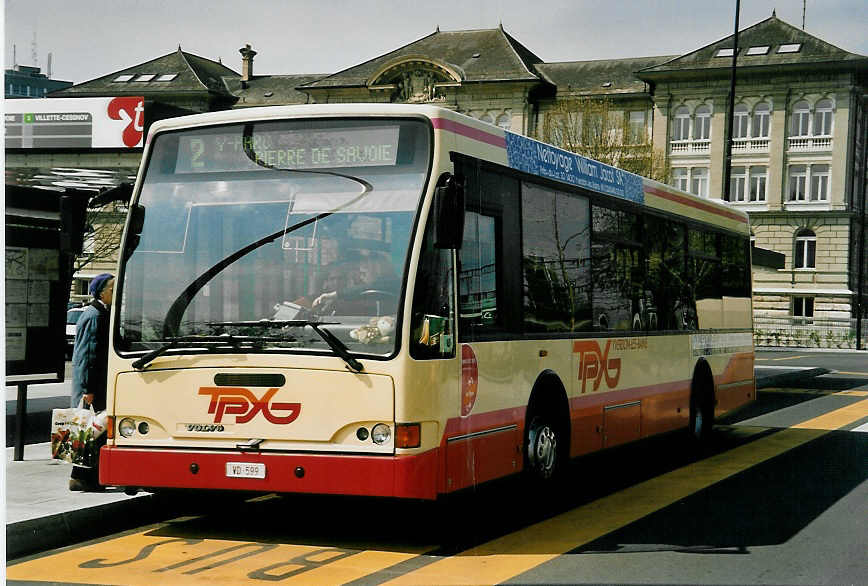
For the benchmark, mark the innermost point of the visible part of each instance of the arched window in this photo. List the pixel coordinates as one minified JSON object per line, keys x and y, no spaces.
{"x":740,"y":120}
{"x":800,"y":123}
{"x":504,"y":121}
{"x":823,"y":118}
{"x":805,"y":254}
{"x":487,"y":118}
{"x":702,"y":123}
{"x":761,"y":118}
{"x":681,"y":124}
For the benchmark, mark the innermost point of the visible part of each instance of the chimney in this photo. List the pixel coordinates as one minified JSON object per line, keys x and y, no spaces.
{"x":247,"y":55}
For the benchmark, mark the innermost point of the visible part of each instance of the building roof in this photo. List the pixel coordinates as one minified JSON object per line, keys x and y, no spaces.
{"x":600,"y":77}
{"x":799,"y":48}
{"x":476,"y":55}
{"x":191,"y":73}
{"x":269,"y":90}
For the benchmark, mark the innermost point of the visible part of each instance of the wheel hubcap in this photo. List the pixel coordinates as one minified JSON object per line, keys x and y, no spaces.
{"x":545,"y":451}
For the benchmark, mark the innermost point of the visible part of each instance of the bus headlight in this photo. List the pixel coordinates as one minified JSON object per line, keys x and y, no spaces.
{"x":381,"y":433}
{"x":127,"y":427}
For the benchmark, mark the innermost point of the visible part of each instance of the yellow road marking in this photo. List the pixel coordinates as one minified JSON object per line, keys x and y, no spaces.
{"x":853,"y":393}
{"x":787,"y":358}
{"x":513,"y":554}
{"x":838,"y":418}
{"x":147,"y":558}
{"x":851,"y":373}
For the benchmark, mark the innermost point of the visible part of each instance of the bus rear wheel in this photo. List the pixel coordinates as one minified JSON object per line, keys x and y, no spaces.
{"x":701,"y":410}
{"x":544,"y":448}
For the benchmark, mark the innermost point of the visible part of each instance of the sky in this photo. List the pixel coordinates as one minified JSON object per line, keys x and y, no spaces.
{"x":92,"y":38}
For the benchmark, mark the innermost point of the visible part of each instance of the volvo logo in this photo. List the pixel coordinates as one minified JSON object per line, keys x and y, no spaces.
{"x":204,"y":427}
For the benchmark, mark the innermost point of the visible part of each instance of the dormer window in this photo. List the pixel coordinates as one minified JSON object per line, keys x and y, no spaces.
{"x":167,"y":77}
{"x":123,"y":78}
{"x":724,"y":52}
{"x":146,"y":77}
{"x":790,"y":48}
{"x":758,"y":50}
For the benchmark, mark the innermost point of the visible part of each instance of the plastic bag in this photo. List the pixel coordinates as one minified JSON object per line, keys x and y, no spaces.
{"x":73,"y":435}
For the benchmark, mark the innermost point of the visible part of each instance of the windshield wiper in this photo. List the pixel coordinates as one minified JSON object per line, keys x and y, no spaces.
{"x":222,"y":340}
{"x":337,"y":346}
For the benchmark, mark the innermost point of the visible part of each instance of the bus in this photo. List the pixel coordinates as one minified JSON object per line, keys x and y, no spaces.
{"x":403,"y":301}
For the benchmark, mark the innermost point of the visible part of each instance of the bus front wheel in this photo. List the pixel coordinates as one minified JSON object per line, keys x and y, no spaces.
{"x":544,"y":448}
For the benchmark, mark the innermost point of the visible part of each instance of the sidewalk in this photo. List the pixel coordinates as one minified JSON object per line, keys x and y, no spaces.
{"x":42,"y":513}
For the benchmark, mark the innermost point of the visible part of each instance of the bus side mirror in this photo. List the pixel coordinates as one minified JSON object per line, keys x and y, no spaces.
{"x":137,"y":222}
{"x":449,"y":212}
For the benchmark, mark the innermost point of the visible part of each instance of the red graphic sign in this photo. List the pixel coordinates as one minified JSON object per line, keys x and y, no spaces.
{"x":245,"y":405}
{"x":594,"y":364}
{"x":132,"y":110}
{"x":469,"y":380}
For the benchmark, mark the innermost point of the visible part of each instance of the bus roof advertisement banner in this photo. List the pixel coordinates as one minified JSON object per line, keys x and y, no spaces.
{"x":531,"y":156}
{"x":75,"y":123}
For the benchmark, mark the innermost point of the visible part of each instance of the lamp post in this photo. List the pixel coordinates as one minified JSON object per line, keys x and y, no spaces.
{"x":727,"y":163}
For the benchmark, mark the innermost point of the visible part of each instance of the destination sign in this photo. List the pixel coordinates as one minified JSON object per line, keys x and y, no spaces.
{"x":202,"y":152}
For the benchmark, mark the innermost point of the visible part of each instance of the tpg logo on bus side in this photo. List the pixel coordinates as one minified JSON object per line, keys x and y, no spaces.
{"x":245,"y":405}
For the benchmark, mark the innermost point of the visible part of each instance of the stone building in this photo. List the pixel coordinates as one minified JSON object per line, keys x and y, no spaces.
{"x":798,"y":150}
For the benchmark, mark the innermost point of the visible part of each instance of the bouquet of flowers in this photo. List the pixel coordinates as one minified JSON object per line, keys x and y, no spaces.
{"x":73,"y":435}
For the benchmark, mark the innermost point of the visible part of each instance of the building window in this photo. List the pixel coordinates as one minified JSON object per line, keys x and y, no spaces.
{"x":801,"y":121}
{"x":761,"y":117}
{"x":823,"y":118}
{"x":699,"y":181}
{"x":702,"y":123}
{"x":758,"y":183}
{"x":737,"y":184}
{"x":808,"y":183}
{"x":758,"y":50}
{"x":503,"y":121}
{"x":819,"y":183}
{"x":805,"y":256}
{"x":637,"y":129}
{"x":487,"y":118}
{"x":681,"y":178}
{"x":681,"y":124}
{"x":798,"y":183}
{"x":740,"y":121}
{"x":803,"y":310}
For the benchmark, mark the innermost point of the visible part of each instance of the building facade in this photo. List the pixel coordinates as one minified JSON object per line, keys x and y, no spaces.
{"x":24,"y":81}
{"x":798,"y":163}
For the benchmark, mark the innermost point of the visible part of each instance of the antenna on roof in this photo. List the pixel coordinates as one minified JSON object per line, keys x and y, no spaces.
{"x":438,"y":28}
{"x":803,"y":14}
{"x":773,"y":13}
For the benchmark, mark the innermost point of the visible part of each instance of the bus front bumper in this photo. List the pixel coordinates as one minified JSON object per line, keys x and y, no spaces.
{"x":404,"y":476}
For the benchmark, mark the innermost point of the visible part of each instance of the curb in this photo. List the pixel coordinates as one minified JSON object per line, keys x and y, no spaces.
{"x":46,"y":533}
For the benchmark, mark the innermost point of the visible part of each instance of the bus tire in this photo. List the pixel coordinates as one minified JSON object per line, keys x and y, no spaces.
{"x":546,"y":438}
{"x":701,"y":405}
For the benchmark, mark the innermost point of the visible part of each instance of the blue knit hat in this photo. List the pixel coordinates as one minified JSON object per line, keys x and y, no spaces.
{"x":98,"y":284}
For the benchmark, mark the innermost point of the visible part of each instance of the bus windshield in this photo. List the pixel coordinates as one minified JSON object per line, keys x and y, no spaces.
{"x":253,"y":231}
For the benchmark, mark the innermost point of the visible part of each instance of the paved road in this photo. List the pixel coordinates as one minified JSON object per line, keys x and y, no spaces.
{"x":779,"y":497}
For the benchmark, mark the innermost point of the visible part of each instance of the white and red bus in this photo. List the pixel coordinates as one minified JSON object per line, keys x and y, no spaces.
{"x":398,"y":300}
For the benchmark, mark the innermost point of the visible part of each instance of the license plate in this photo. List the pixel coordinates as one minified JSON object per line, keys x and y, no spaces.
{"x":245,"y":470}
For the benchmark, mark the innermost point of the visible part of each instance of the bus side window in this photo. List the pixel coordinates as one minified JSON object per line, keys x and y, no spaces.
{"x":556,"y":260}
{"x":432,"y":330}
{"x":667,"y":288}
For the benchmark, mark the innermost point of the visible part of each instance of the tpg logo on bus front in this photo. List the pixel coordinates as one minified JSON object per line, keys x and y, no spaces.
{"x":245,"y":405}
